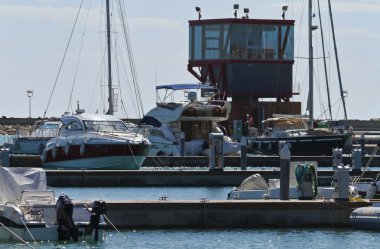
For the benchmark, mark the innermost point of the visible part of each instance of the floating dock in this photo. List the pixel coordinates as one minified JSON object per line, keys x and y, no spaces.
{"x":166,"y":214}
{"x":183,"y":178}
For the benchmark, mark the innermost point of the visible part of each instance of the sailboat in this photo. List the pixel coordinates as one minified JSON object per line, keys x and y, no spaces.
{"x":300,"y":133}
{"x":97,"y":141}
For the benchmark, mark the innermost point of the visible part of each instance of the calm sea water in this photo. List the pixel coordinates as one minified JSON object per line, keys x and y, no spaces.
{"x":204,"y":238}
{"x":236,"y":238}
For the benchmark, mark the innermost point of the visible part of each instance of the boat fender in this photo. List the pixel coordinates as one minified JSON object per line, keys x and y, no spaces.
{"x":82,"y":149}
{"x":217,"y":111}
{"x":67,"y":148}
{"x":54,"y":151}
{"x":41,"y":148}
{"x":259,"y":146}
{"x":191,"y":111}
{"x":269,"y":146}
{"x":44,"y":155}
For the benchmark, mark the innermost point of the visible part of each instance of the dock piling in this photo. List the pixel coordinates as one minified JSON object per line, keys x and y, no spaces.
{"x":284,"y":172}
{"x":216,"y":157}
{"x":243,"y":153}
{"x":356,"y":162}
{"x":5,"y":157}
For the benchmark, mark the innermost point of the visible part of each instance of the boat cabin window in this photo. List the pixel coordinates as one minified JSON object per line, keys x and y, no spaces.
{"x":156,"y":133}
{"x":105,"y":126}
{"x":74,"y":126}
{"x":50,"y":126}
{"x":198,"y":130}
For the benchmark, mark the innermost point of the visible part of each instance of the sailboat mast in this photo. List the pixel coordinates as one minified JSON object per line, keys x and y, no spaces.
{"x":110,"y":100}
{"x":311,"y":107}
{"x":337,"y":63}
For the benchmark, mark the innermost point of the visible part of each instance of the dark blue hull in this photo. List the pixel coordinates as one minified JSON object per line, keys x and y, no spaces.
{"x":310,"y":145}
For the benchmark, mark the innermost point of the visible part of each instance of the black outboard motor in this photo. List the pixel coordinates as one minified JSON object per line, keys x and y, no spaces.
{"x":64,"y":211}
{"x":98,"y":208}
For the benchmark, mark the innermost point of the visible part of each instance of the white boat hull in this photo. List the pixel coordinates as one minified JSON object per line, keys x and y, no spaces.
{"x":42,"y":234}
{"x":17,"y":222}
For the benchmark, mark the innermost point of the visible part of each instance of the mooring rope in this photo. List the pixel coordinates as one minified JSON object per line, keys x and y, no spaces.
{"x":14,"y":234}
{"x":114,"y":227}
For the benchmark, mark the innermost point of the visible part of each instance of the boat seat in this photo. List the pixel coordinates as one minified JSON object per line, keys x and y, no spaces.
{"x":46,"y":197}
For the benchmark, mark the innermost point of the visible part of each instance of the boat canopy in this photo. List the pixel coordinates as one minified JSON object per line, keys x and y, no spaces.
{"x":186,"y":86}
{"x":14,"y":181}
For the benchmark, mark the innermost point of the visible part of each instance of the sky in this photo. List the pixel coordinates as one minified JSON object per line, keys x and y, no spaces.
{"x":35,"y":34}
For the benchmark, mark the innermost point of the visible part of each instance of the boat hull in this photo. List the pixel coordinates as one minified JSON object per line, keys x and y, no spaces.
{"x":44,"y":233}
{"x":366,"y":218}
{"x":302,"y":145}
{"x":38,"y":222}
{"x":105,"y":156}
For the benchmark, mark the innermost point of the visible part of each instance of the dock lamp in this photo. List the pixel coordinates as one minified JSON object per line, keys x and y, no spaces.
{"x":198,"y":9}
{"x":29,"y":93}
{"x":284,"y":9}
{"x":246,"y":12}
{"x":236,"y":7}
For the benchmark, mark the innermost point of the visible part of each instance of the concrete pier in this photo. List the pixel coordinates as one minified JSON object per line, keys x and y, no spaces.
{"x":183,"y":178}
{"x":230,"y":214}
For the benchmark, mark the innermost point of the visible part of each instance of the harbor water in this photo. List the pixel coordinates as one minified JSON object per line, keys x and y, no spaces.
{"x":226,"y":238}
{"x":203,"y":238}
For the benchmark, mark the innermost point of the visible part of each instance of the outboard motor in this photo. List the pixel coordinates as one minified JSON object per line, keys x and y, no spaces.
{"x":97,"y":209}
{"x":64,"y":211}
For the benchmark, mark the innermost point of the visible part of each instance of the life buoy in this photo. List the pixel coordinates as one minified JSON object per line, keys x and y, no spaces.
{"x":54,"y":151}
{"x":44,"y":155}
{"x":191,"y":111}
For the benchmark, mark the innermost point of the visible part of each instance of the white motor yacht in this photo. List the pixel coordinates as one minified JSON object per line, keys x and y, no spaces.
{"x":95,"y":141}
{"x":29,"y":211}
{"x":195,"y":118}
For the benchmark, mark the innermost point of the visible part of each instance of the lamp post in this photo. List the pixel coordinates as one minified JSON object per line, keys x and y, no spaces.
{"x":29,"y":93}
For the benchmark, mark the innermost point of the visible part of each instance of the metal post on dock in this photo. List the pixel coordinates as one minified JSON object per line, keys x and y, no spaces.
{"x":362,"y":143}
{"x":216,"y":157}
{"x":356,"y":162}
{"x":182,"y":144}
{"x":243,"y":153}
{"x":337,"y":157}
{"x":5,"y":157}
{"x":284,"y":172}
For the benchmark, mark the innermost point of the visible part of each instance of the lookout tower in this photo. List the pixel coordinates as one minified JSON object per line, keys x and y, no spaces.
{"x":249,"y":60}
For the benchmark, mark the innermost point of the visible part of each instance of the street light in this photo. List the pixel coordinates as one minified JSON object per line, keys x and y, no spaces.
{"x":29,"y":93}
{"x":198,"y":9}
{"x":236,"y":7}
{"x":284,"y":9}
{"x":246,"y":11}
